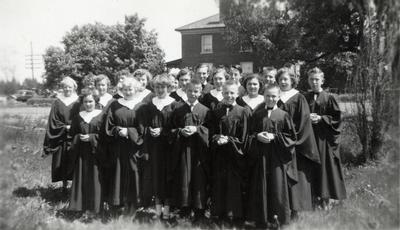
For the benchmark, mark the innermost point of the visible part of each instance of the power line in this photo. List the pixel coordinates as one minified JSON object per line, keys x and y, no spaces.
{"x":33,"y":61}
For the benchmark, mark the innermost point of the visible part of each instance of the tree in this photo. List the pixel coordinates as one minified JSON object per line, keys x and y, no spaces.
{"x":97,"y":48}
{"x":314,"y":32}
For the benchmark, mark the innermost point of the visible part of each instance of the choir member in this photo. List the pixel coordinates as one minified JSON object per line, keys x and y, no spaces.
{"x":102,"y":84}
{"x":252,"y":99}
{"x":124,"y":129}
{"x":268,"y":75}
{"x":190,"y":160}
{"x":272,"y":140}
{"x":307,"y":156}
{"x":203,"y":73}
{"x":211,"y":99}
{"x":228,"y":130}
{"x":57,"y":139}
{"x":157,"y":143}
{"x":236,"y":75}
{"x":85,"y":131}
{"x":325,"y":118}
{"x":183,"y":77}
{"x":144,"y":77}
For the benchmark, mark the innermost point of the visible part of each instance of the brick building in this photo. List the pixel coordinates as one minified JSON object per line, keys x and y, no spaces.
{"x":202,"y":42}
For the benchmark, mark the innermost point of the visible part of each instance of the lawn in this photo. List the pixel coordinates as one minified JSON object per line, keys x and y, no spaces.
{"x":28,"y":200}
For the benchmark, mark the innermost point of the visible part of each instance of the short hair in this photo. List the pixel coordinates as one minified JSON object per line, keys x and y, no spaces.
{"x":231,"y":83}
{"x":100,"y":78}
{"x":162,"y":79}
{"x":269,"y":69}
{"x":237,"y":67}
{"x":131,"y":82}
{"x":183,"y":72}
{"x":193,"y":82}
{"x":85,"y":92}
{"x":317,"y":71}
{"x":204,"y":66}
{"x":88,"y":79}
{"x":68,"y":81}
{"x":143,"y":72}
{"x":221,"y":71}
{"x":292,"y":75}
{"x":251,"y":77}
{"x":271,"y":86}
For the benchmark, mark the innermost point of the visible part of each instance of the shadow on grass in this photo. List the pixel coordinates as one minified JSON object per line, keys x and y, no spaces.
{"x":50,"y":194}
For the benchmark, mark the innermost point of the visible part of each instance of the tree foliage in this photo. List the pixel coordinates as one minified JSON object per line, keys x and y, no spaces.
{"x":97,"y":48}
{"x":324,"y":33}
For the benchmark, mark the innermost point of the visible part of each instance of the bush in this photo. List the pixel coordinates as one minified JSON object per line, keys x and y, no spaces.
{"x":40,"y":101}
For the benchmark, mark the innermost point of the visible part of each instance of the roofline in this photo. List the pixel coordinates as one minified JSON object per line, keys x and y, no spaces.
{"x":179,"y":28}
{"x":203,"y":30}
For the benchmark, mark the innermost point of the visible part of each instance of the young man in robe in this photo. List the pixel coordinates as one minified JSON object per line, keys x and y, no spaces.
{"x":325,"y":118}
{"x":189,"y":169}
{"x":228,"y":131}
{"x":272,"y":139}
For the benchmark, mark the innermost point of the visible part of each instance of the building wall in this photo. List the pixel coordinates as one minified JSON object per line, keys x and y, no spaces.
{"x":222,"y":55}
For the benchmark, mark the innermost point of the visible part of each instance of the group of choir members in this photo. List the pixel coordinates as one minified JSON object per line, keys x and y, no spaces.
{"x":249,"y":148}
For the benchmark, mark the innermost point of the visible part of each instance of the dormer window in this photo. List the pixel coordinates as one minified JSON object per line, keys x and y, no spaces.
{"x":206,"y":44}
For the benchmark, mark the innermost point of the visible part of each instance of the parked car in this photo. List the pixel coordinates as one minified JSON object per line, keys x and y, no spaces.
{"x":23,"y":95}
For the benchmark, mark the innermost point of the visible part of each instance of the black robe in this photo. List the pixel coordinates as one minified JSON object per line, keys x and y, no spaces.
{"x":307,"y":155}
{"x":228,"y":163}
{"x":327,"y":131}
{"x":272,"y":171}
{"x":242,"y":103}
{"x":175,"y":96}
{"x":124,"y":153}
{"x":159,"y":149}
{"x":57,"y":140}
{"x":189,"y":169}
{"x":85,"y":190}
{"x":209,"y":101}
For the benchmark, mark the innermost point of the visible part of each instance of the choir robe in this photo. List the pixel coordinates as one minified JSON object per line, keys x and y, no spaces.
{"x":228,"y":163}
{"x":210,"y":101}
{"x":307,"y":156}
{"x":272,"y":171}
{"x":159,"y":149}
{"x":86,"y":189}
{"x":176,"y":96}
{"x":327,"y":131}
{"x":124,"y":181}
{"x":189,"y":169}
{"x":57,"y":140}
{"x":242,"y":103}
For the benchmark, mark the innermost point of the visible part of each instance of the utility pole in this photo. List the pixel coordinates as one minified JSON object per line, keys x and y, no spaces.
{"x":33,"y":61}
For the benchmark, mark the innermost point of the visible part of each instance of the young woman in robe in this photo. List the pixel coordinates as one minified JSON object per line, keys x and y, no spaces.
{"x":157,"y":144}
{"x":272,"y":139}
{"x":211,"y":99}
{"x":228,"y":130}
{"x":325,"y":118}
{"x":183,"y":77}
{"x":85,"y":131}
{"x":144,"y":77}
{"x":57,"y":138}
{"x":307,"y":156}
{"x":252,"y":99}
{"x":124,"y":129}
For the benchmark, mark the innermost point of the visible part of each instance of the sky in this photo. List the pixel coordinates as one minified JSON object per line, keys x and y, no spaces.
{"x":45,"y":22}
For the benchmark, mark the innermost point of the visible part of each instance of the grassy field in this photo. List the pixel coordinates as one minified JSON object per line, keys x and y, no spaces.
{"x":28,"y":200}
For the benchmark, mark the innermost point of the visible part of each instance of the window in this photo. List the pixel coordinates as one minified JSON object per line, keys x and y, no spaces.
{"x":246,"y":49}
{"x":206,"y":44}
{"x":247,"y":67}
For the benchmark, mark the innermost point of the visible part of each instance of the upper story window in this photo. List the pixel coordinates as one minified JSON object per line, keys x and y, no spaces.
{"x":206,"y":44}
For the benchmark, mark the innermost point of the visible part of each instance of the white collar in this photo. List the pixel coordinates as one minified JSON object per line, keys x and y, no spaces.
{"x":130,"y":104}
{"x":143,"y":94}
{"x":161,"y":103}
{"x":68,"y":100}
{"x":217,"y":94}
{"x":105,"y":99}
{"x":286,"y":95}
{"x":88,"y":116}
{"x":194,"y":103}
{"x":181,"y":94}
{"x":253,"y":102}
